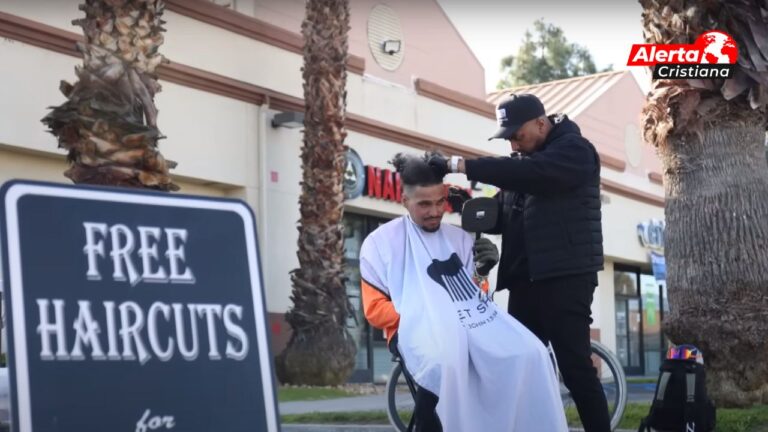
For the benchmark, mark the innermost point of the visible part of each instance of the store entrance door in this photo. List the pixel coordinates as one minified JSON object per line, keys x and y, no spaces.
{"x":629,"y":344}
{"x":629,"y":323}
{"x":654,"y":342}
{"x":369,"y":341}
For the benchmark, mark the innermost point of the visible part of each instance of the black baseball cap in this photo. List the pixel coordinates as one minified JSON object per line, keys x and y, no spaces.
{"x":515,"y":110}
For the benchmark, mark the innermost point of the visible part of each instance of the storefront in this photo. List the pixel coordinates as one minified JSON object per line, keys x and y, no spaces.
{"x":641,"y":304}
{"x":640,"y":308}
{"x":217,"y":109}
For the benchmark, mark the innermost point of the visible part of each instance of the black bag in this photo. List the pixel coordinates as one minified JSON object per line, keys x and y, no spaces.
{"x":681,"y":403}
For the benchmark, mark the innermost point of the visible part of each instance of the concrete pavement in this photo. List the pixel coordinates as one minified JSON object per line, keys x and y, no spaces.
{"x":378,"y":402}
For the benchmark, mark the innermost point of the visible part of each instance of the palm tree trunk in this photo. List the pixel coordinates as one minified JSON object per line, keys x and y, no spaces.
{"x":710,"y":134}
{"x":109,"y":123}
{"x":321,"y":351}
{"x":717,"y":245}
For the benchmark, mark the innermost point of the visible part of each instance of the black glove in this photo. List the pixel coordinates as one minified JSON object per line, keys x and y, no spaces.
{"x":486,"y":256}
{"x":439,"y":164}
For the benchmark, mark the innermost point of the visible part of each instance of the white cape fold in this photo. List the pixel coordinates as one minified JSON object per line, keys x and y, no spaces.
{"x":489,"y":372}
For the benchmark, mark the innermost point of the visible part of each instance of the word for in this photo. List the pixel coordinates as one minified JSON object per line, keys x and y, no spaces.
{"x":147,"y":423}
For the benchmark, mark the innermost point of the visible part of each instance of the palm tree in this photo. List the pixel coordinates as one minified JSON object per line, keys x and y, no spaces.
{"x":710,"y":136}
{"x":321,"y":351}
{"x":109,"y":122}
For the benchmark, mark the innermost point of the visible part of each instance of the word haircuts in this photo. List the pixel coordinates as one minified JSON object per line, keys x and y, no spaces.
{"x":133,"y":331}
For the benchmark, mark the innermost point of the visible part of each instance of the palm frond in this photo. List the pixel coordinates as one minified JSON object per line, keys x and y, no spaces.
{"x":108,"y":124}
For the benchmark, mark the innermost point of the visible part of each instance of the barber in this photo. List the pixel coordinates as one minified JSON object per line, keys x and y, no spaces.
{"x":552,"y":242}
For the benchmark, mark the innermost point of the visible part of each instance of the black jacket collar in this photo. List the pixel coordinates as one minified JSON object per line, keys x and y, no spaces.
{"x":561,"y":126}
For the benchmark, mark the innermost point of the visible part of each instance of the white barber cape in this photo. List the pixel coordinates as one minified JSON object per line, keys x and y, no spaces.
{"x":489,"y":372}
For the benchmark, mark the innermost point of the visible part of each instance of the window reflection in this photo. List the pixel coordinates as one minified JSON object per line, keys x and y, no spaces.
{"x":354,"y":226}
{"x":373,"y":359}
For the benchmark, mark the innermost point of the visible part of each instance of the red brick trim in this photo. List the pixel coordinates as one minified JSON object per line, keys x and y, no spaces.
{"x":451,"y":97}
{"x":227,"y":19}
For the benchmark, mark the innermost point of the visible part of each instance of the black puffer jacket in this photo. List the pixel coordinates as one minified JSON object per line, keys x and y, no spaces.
{"x":561,"y":215}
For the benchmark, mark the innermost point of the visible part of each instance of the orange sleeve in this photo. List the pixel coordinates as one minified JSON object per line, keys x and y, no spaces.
{"x":378,"y":309}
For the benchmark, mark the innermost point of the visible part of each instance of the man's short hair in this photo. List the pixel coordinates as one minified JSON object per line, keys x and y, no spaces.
{"x":415,"y":170}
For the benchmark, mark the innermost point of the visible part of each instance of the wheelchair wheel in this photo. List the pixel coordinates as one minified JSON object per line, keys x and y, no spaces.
{"x":613,"y":380}
{"x":400,"y":402}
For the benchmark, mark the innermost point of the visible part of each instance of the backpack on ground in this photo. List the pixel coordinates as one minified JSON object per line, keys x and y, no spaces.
{"x":681,"y":403}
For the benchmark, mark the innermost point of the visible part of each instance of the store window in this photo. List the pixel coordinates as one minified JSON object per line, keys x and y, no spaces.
{"x":625,"y":283}
{"x":628,"y":320}
{"x":650,"y":297}
{"x":640,"y":308}
{"x":372,"y":355}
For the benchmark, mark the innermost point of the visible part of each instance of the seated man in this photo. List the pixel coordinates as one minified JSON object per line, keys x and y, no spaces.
{"x":477,"y":368}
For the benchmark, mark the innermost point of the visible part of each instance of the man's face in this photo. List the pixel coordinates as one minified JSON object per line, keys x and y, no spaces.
{"x":529,"y":137}
{"x":426,"y":205}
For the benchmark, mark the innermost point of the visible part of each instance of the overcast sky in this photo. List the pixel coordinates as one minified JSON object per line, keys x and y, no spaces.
{"x":494,"y":28}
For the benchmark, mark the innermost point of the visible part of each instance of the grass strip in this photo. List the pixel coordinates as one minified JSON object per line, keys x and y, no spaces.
{"x":293,"y":394}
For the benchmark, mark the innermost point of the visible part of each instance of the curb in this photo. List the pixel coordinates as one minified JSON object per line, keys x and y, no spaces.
{"x":615,"y":430}
{"x":293,"y":427}
{"x":336,"y":428}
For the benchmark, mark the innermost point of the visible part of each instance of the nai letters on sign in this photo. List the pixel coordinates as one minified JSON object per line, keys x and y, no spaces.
{"x":133,"y":311}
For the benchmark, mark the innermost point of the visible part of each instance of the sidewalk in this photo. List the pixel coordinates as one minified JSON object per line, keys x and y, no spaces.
{"x":378,"y":402}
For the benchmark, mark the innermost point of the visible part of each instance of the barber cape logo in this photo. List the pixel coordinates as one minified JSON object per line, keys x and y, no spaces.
{"x":473,"y":306}
{"x":501,"y":116}
{"x":712,"y":55}
{"x":451,"y":276}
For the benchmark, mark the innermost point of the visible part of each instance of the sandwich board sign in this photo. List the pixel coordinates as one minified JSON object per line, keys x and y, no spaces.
{"x":133,"y":311}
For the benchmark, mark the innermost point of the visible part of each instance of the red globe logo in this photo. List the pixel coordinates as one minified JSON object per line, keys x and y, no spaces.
{"x":717,"y":48}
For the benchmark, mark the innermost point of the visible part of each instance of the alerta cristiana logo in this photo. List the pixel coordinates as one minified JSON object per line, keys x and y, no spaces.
{"x":713,"y":55}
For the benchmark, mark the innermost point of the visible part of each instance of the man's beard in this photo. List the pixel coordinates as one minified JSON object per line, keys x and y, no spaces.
{"x":430,"y":230}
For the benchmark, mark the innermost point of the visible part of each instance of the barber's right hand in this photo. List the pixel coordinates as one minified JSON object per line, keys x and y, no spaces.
{"x":439,"y":164}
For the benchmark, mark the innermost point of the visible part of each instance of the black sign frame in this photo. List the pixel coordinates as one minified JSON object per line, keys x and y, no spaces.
{"x":22,"y":401}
